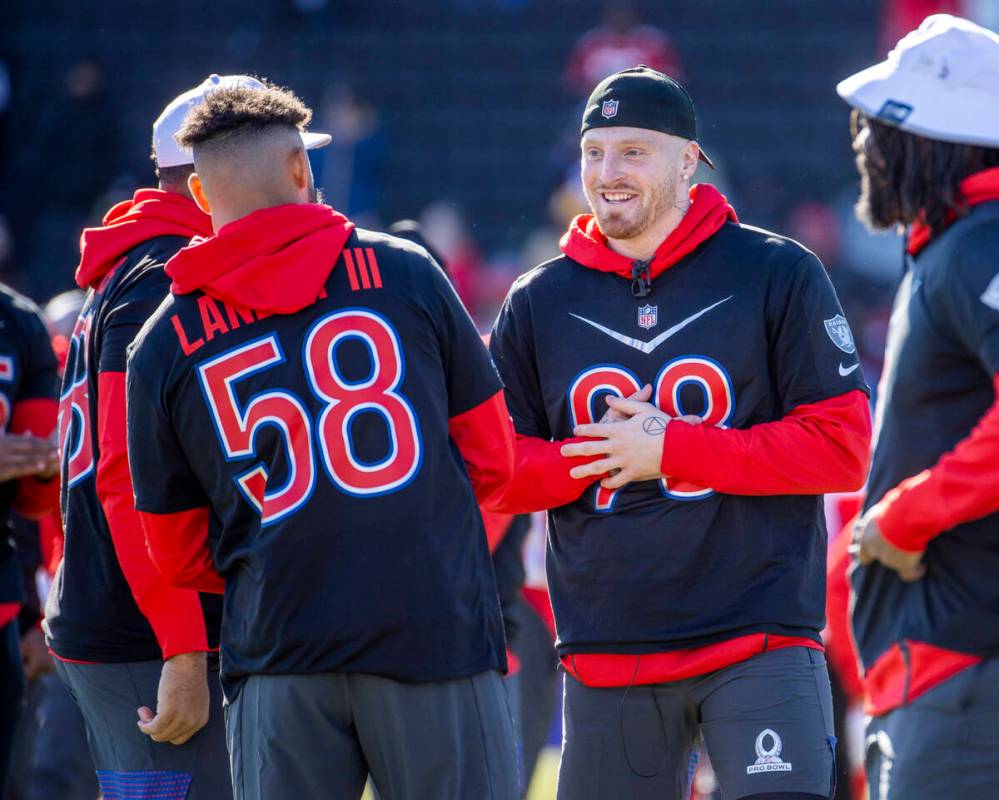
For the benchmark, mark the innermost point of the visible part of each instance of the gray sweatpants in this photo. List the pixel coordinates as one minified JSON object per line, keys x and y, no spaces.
{"x":129,"y":763}
{"x":293,"y":737}
{"x":766,"y":722}
{"x":944,"y":744}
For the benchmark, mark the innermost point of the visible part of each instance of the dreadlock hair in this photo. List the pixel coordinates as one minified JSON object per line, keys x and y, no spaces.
{"x":908,"y":177}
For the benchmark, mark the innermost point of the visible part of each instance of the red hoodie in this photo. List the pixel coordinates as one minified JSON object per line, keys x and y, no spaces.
{"x":149,"y":214}
{"x":815,"y":449}
{"x":275,"y":260}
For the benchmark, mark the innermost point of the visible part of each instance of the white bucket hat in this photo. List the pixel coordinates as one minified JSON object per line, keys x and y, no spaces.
{"x":941,"y":81}
{"x":168,"y":153}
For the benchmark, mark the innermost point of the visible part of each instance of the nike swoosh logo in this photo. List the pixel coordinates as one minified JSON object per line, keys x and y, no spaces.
{"x":648,"y":347}
{"x":844,"y":371}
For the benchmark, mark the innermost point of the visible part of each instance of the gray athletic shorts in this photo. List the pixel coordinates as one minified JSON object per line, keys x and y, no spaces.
{"x":298,"y":737}
{"x":129,"y":763}
{"x":766,"y":722}
{"x":944,"y":744}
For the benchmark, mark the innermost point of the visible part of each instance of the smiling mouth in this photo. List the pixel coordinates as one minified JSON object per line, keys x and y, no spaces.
{"x":615,"y":198}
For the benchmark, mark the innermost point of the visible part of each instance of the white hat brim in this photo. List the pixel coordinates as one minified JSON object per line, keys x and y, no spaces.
{"x":314,"y":140}
{"x":939,"y":111}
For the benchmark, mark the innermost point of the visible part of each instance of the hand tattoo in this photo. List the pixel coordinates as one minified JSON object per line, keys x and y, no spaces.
{"x":654,"y":426}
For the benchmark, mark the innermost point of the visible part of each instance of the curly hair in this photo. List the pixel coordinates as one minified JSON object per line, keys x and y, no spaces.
{"x":908,"y":177}
{"x":237,"y":110}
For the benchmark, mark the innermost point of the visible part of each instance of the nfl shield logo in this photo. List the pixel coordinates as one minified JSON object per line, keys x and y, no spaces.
{"x":609,"y":109}
{"x":839,"y":331}
{"x":648,"y":316}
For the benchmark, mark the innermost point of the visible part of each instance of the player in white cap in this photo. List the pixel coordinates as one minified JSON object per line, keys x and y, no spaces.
{"x":926,"y":595}
{"x":138,"y":655}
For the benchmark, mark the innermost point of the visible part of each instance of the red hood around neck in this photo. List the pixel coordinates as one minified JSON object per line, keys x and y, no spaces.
{"x":709,"y":210}
{"x":274,"y":260}
{"x":149,"y":214}
{"x":978,"y":188}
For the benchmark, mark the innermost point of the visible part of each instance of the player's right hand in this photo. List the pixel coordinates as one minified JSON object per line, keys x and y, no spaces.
{"x":26,"y":455}
{"x":643,"y":395}
{"x":182,"y":700}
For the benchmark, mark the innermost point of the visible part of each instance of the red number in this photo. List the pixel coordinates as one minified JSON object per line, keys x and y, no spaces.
{"x":716,"y":386}
{"x":375,"y":394}
{"x":588,"y":385}
{"x":75,"y":443}
{"x":719,"y":405}
{"x":238,"y":427}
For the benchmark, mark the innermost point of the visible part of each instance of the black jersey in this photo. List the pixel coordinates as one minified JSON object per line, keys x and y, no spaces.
{"x":341,"y":515}
{"x":938,"y":382}
{"x":27,"y":373}
{"x":92,"y":613}
{"x":741,"y":331}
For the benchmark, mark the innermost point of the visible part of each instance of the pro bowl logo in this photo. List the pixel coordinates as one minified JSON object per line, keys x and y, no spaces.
{"x":768,"y":757}
{"x":839,"y":331}
{"x":648,"y":316}
{"x":608,"y":109}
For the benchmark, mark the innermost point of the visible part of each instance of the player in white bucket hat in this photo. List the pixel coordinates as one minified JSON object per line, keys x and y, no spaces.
{"x":926,"y":599}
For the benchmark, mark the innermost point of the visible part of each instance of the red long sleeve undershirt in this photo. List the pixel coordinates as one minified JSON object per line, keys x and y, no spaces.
{"x":962,"y":486}
{"x":817,"y":448}
{"x":175,"y":614}
{"x":35,"y":497}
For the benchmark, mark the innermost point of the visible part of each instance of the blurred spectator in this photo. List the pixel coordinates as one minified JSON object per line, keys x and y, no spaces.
{"x":445,"y":228}
{"x":620,"y":42}
{"x":901,"y":16}
{"x":79,"y":128}
{"x":816,"y":226}
{"x":565,"y":203}
{"x":351,"y":169}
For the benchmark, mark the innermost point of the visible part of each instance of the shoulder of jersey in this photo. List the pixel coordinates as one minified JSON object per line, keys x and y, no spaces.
{"x":974,"y":242}
{"x":15,"y":304}
{"x":393,"y":252}
{"x":763,"y":248}
{"x":552,"y":269}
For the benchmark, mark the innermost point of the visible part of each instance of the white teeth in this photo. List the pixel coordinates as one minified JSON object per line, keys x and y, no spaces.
{"x":616,"y":196}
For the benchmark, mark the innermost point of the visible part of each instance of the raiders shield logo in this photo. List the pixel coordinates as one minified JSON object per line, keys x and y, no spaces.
{"x":608,"y":109}
{"x":839,"y":331}
{"x":648,"y":316}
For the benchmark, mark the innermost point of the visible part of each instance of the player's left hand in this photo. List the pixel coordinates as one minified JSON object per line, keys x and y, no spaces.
{"x":870,"y":545}
{"x":632,"y":450}
{"x":182,"y":700}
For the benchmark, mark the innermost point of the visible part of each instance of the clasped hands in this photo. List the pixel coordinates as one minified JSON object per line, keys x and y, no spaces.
{"x":629,"y":437}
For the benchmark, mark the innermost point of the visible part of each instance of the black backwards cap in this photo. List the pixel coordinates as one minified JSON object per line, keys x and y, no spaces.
{"x":641,"y":97}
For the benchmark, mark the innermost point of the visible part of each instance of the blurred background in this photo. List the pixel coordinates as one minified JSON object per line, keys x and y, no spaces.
{"x":461,"y":114}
